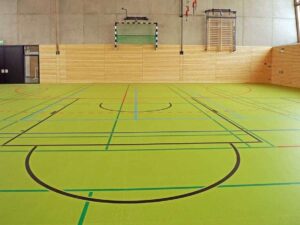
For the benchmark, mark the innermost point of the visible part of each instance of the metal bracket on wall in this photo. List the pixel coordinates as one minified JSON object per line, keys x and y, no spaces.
{"x":297,"y":17}
{"x":57,"y":31}
{"x":181,"y":33}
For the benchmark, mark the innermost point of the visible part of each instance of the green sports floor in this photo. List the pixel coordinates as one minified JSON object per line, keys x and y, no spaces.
{"x":152,"y":154}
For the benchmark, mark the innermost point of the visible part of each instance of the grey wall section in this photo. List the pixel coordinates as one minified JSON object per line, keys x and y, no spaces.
{"x":260,"y":22}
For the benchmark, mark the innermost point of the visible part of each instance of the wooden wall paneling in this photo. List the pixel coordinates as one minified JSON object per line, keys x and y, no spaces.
{"x":199,"y":65}
{"x":286,"y":65}
{"x":123,"y":64}
{"x":61,"y":65}
{"x":48,"y":64}
{"x":261,"y":64}
{"x":162,"y":65}
{"x":85,"y":63}
{"x":234,"y":66}
{"x":141,"y":63}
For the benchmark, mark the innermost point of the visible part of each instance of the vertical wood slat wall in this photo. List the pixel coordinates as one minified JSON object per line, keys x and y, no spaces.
{"x":142,"y":64}
{"x":286,"y":65}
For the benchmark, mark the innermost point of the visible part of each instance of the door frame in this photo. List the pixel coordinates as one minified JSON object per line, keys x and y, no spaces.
{"x":39,"y":66}
{"x":24,"y":65}
{"x":5,"y":47}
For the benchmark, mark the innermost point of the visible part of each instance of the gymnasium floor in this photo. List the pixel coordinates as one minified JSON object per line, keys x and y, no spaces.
{"x":214,"y":154}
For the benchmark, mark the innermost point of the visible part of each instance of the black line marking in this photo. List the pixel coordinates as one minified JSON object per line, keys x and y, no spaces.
{"x":2,"y":128}
{"x":59,"y":100}
{"x":134,"y":144}
{"x":145,"y":111}
{"x":225,"y":118}
{"x":154,"y":132}
{"x":141,"y":132}
{"x":209,"y":116}
{"x":90,"y":199}
{"x":250,"y":103}
{"x":27,"y":109}
{"x":28,"y":136}
{"x":33,"y":126}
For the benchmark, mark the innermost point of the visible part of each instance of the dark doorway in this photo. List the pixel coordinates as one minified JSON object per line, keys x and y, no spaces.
{"x":2,"y":70}
{"x":12,"y":65}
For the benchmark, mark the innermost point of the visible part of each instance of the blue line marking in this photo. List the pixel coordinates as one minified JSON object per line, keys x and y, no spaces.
{"x":73,"y":93}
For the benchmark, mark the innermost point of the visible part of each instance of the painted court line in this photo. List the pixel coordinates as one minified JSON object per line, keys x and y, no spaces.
{"x":148,"y":150}
{"x":136,"y":109}
{"x":172,"y":197}
{"x":56,"y":102}
{"x":38,"y":111}
{"x":130,"y":144}
{"x":32,"y":107}
{"x":250,"y":103}
{"x":209,"y":116}
{"x":153,"y":188}
{"x":154,"y":132}
{"x":84,"y":210}
{"x":122,"y":136}
{"x":41,"y":121}
{"x":222,"y":116}
{"x":117,"y":119}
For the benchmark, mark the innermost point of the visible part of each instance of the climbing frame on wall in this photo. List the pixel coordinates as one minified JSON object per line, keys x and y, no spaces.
{"x":221,"y":30}
{"x":136,"y":32}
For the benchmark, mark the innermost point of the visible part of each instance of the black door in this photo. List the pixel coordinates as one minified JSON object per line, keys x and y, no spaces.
{"x":14,"y":64}
{"x":2,"y":70}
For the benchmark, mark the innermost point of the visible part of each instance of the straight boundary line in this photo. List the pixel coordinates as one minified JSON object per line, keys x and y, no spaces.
{"x":136,"y":104}
{"x":61,"y":99}
{"x":250,"y":103}
{"x":228,"y":120}
{"x":147,"y":150}
{"x":25,"y":110}
{"x":154,"y":132}
{"x":210,"y":117}
{"x":221,"y":116}
{"x":84,"y":210}
{"x":43,"y":120}
{"x":51,"y":104}
{"x":153,"y":188}
{"x":117,"y":119}
{"x":129,"y":136}
{"x":132,"y":144}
